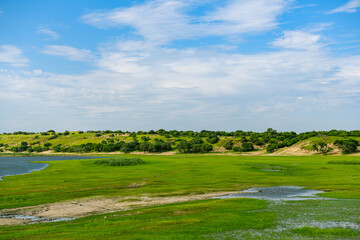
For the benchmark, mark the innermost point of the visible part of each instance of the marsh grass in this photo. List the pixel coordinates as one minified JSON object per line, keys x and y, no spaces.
{"x":119,"y":162}
{"x":345,"y":162}
{"x":172,"y":175}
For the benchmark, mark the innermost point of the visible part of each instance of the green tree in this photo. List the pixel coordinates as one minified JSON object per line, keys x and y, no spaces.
{"x":229,"y":145}
{"x":322,"y":147}
{"x":247,"y":147}
{"x":347,"y":145}
{"x":271,"y":147}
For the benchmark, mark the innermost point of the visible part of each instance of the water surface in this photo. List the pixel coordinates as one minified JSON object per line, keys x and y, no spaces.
{"x":20,"y":165}
{"x":288,"y":193}
{"x":33,"y":219}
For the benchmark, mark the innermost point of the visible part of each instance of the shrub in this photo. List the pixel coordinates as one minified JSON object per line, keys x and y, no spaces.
{"x":213,"y":139}
{"x":120,"y":162}
{"x":247,"y":147}
{"x":271,"y":148}
{"x":191,"y":147}
{"x":344,"y":162}
{"x":322,"y":147}
{"x":229,"y":145}
{"x":347,"y":145}
{"x":206,"y":147}
{"x":237,"y":149}
{"x":53,"y":137}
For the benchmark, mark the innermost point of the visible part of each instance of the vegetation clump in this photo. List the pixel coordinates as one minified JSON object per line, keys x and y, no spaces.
{"x":347,"y":145}
{"x":322,"y":147}
{"x":345,"y":162}
{"x":120,"y":162}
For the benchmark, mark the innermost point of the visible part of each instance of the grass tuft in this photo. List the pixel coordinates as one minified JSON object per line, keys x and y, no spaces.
{"x":345,"y":162}
{"x":120,"y":162}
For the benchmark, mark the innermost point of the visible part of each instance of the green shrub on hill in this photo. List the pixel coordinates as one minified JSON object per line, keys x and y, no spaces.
{"x":347,"y":145}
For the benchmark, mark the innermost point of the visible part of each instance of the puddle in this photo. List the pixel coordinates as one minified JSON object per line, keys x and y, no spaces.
{"x":323,"y":224}
{"x":288,"y":193}
{"x":33,"y":219}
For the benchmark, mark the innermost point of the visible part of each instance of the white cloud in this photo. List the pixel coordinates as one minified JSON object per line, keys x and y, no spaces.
{"x":197,"y":86}
{"x":122,"y":63}
{"x":163,"y":21}
{"x":155,"y":20}
{"x":38,"y":72}
{"x":298,"y":40}
{"x":48,"y":32}
{"x":12,"y":56}
{"x":241,"y":16}
{"x":68,"y":52}
{"x":351,"y":7}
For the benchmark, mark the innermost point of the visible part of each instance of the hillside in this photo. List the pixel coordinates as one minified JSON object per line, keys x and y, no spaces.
{"x":271,"y":142}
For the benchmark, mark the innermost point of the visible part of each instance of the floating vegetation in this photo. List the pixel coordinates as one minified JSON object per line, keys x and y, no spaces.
{"x":120,"y":162}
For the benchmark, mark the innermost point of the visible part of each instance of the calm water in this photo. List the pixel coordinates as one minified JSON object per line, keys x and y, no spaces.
{"x":20,"y":165}
{"x":288,"y":193}
{"x":33,"y":219}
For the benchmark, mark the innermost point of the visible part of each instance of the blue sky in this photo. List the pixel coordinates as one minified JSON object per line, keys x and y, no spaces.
{"x":186,"y":65}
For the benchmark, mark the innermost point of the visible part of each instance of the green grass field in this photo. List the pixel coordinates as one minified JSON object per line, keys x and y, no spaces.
{"x":179,"y":174}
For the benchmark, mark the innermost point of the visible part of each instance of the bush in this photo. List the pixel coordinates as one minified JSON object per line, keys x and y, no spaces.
{"x":347,"y":145}
{"x":191,"y":147}
{"x":322,"y":147}
{"x":206,"y":147}
{"x":247,"y":147}
{"x":344,"y":162}
{"x":271,"y":148}
{"x":213,"y":139}
{"x":120,"y":162}
{"x":237,"y":149}
{"x":229,"y":145}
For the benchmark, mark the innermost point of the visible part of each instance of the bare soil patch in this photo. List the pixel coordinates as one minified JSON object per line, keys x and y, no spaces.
{"x":97,"y":205}
{"x":11,"y":221}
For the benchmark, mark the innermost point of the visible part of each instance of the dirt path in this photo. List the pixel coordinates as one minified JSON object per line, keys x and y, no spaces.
{"x":96,"y":205}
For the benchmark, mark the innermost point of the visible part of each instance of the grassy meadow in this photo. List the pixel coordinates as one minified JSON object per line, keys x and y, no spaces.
{"x":181,"y":174}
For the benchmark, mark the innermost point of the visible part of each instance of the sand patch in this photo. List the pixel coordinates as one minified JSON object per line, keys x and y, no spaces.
{"x":98,"y":205}
{"x":11,"y":221}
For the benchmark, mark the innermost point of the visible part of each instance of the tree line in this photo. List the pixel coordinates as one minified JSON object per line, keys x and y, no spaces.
{"x":191,"y":141}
